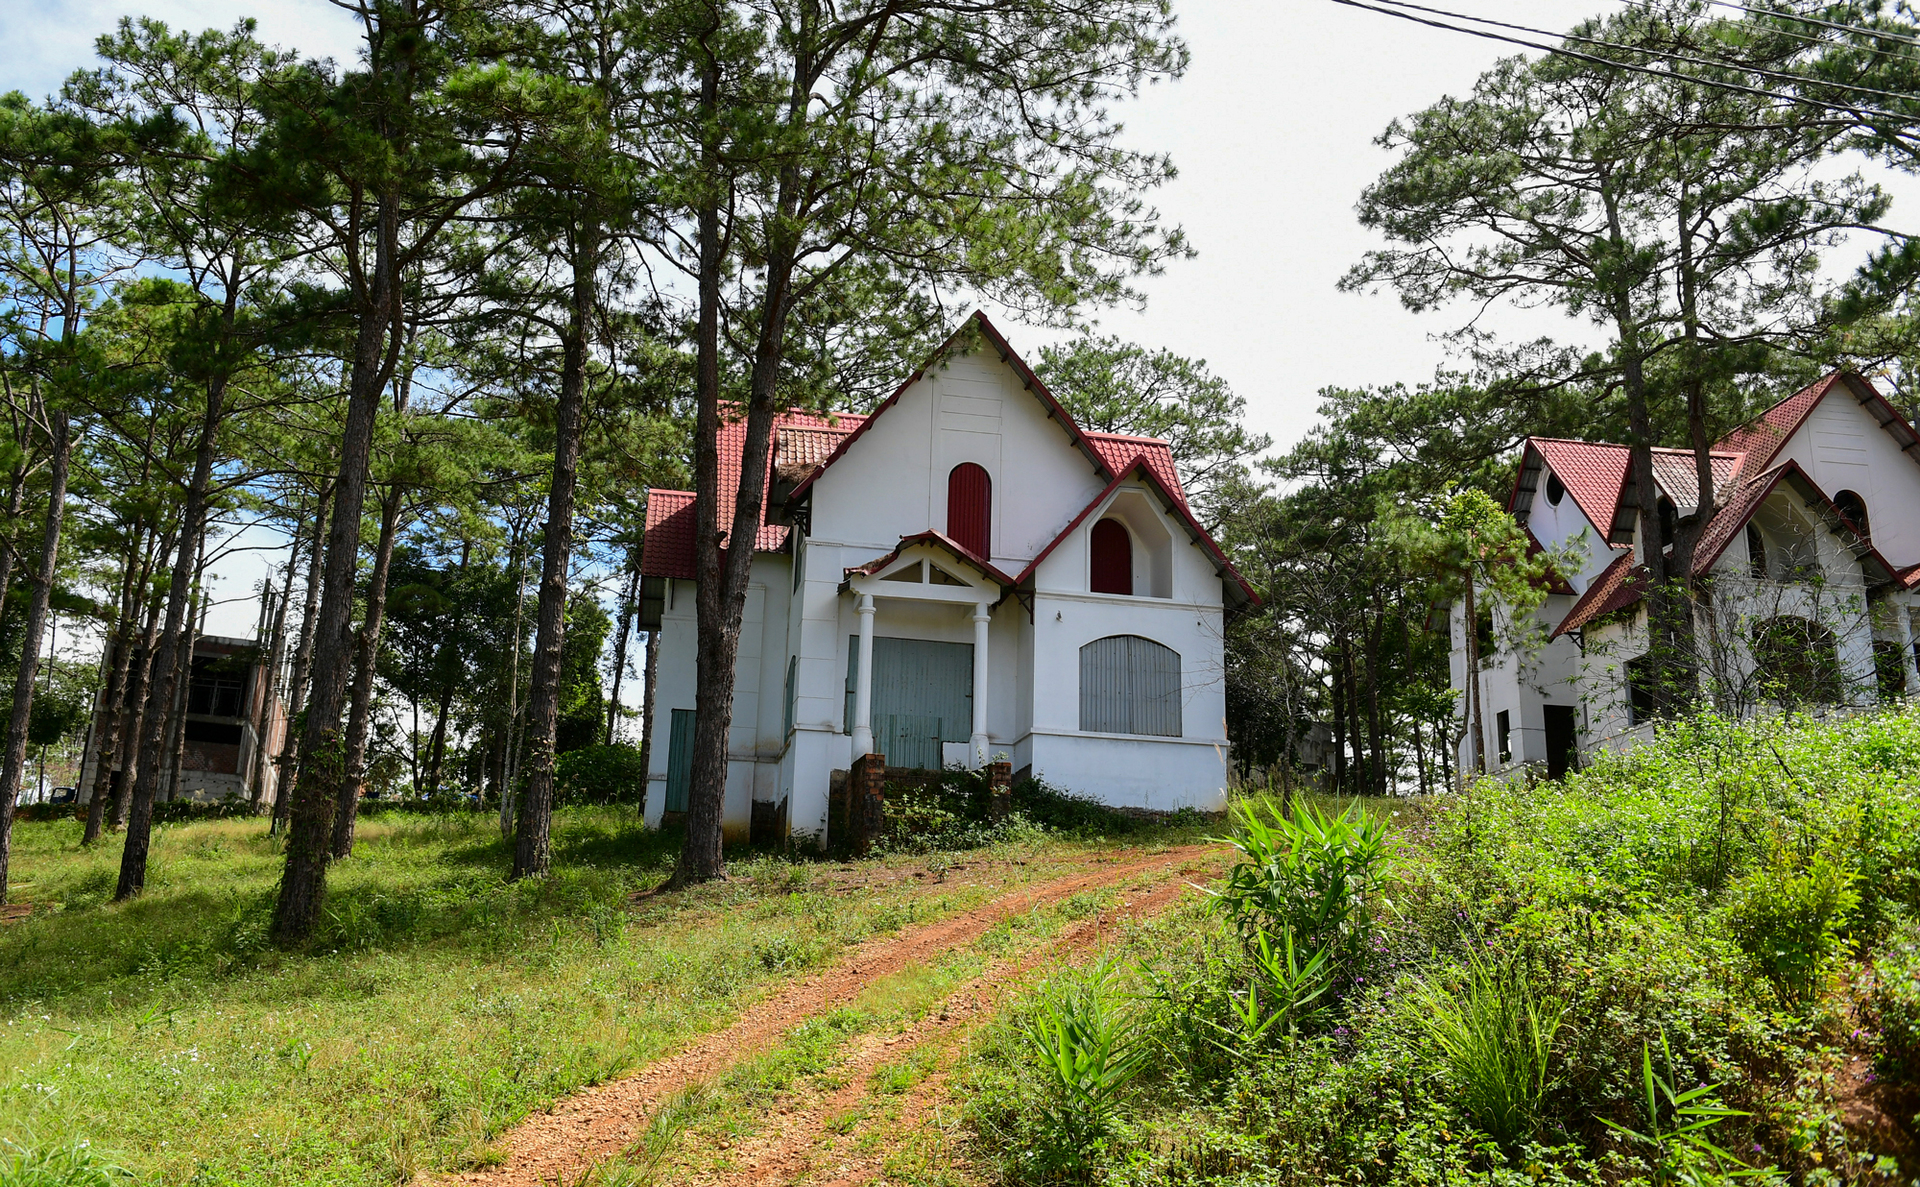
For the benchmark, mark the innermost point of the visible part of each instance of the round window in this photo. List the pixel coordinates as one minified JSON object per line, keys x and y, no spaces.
{"x":1556,"y":490}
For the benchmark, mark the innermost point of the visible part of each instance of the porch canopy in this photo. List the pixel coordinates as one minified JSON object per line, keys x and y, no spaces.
{"x":928,"y":568}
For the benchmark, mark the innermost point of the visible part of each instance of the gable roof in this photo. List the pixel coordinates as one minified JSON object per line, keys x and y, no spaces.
{"x":977,"y":321}
{"x":1619,"y":585}
{"x":1175,"y":504}
{"x":1591,"y":471}
{"x":1762,"y":438}
{"x":940,"y":540}
{"x":1623,"y":582}
{"x":805,"y":444}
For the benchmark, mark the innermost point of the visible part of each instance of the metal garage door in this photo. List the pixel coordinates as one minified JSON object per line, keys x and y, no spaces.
{"x":922,"y":696}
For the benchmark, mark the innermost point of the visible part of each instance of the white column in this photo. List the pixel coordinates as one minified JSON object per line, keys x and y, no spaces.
{"x":977,"y":745}
{"x":863,"y":681}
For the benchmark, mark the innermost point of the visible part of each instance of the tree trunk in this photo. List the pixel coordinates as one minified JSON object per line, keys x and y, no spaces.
{"x":110,"y":714}
{"x":720,"y":597}
{"x":137,"y":694}
{"x":629,"y":594}
{"x":360,"y":710}
{"x":302,"y":664}
{"x":177,"y":724}
{"x":1376,"y":727}
{"x":61,"y":440}
{"x":270,"y":678}
{"x":532,"y":849}
{"x":322,"y":765}
{"x":166,"y":662}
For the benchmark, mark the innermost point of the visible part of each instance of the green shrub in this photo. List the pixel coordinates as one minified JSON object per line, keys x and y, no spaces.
{"x":1895,"y":1002}
{"x":600,"y":775}
{"x":1308,"y":876}
{"x":1497,"y":1038}
{"x":1789,"y":917}
{"x":1065,"y":812}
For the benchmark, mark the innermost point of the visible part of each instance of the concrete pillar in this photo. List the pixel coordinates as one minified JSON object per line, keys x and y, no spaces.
{"x":863,"y":681}
{"x":977,"y":744}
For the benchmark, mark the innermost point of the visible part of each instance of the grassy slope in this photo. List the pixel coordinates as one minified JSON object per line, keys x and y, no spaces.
{"x":440,"y":1003}
{"x":1656,"y":893}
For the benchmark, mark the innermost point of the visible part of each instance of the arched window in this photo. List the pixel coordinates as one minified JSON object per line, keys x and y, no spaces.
{"x":970,"y":509}
{"x":1112,"y":571}
{"x":1796,"y":662}
{"x":1854,"y":508}
{"x":1130,"y":685}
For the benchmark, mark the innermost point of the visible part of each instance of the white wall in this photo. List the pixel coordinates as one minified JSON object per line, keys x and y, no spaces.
{"x":1842,"y":447}
{"x":1555,"y":526}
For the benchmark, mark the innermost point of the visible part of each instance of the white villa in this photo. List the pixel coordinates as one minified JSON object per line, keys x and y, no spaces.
{"x":1811,"y":567}
{"x":961,"y":575}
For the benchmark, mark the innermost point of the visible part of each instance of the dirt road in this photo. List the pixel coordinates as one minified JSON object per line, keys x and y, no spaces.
{"x":561,"y":1144}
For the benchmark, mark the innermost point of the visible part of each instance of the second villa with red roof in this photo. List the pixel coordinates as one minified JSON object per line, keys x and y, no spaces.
{"x":963,"y":574}
{"x":1808,"y":572}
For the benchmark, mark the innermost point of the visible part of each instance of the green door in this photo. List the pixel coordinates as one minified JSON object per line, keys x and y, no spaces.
{"x":922,"y":696}
{"x":680,"y":760}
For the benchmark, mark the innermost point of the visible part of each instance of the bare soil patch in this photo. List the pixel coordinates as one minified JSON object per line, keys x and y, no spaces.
{"x":561,"y":1144}
{"x":799,"y":1148}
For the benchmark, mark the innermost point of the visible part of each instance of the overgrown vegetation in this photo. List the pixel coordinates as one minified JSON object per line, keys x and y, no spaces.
{"x":437,"y":1005}
{"x":1648,"y":973}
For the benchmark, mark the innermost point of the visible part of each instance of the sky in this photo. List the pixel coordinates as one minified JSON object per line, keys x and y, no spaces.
{"x":1272,"y":131}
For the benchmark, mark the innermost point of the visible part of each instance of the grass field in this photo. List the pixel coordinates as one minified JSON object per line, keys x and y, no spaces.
{"x":439,"y":1004}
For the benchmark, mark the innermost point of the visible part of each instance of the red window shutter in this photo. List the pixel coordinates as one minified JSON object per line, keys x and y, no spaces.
{"x":1112,"y":558}
{"x":970,"y":509}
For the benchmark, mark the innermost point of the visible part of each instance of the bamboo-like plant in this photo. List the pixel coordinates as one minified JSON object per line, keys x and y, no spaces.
{"x":1307,"y":875}
{"x":1084,"y":1043}
{"x":1684,"y":1154}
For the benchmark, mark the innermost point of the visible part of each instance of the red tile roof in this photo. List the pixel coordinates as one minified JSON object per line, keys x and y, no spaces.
{"x":1618,"y":587}
{"x":1766,"y":434}
{"x":668,"y":547}
{"x":1673,"y":472}
{"x":1909,"y":577}
{"x":1119,"y":452}
{"x":1591,"y":472}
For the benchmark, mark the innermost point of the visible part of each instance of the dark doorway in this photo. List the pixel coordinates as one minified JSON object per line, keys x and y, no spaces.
{"x":1563,"y":747}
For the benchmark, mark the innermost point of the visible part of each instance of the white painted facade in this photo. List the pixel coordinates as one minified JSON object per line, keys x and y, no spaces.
{"x":1862,"y":591}
{"x":1024,"y":624}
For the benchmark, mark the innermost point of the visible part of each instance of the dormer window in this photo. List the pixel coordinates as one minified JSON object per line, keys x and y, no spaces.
{"x":1112,"y":561}
{"x":970,"y":509}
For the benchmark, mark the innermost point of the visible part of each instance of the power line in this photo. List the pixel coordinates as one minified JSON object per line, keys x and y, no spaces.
{"x":1812,"y":20}
{"x":1854,"y":111}
{"x":1671,"y":55}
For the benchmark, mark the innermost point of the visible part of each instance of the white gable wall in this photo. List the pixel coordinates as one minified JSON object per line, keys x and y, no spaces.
{"x":1842,"y":447}
{"x":1555,"y":526}
{"x":892,"y":482}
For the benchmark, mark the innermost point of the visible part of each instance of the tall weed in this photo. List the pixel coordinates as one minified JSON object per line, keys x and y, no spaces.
{"x":1497,"y":1038}
{"x":62,"y":1166}
{"x":1790,"y":918}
